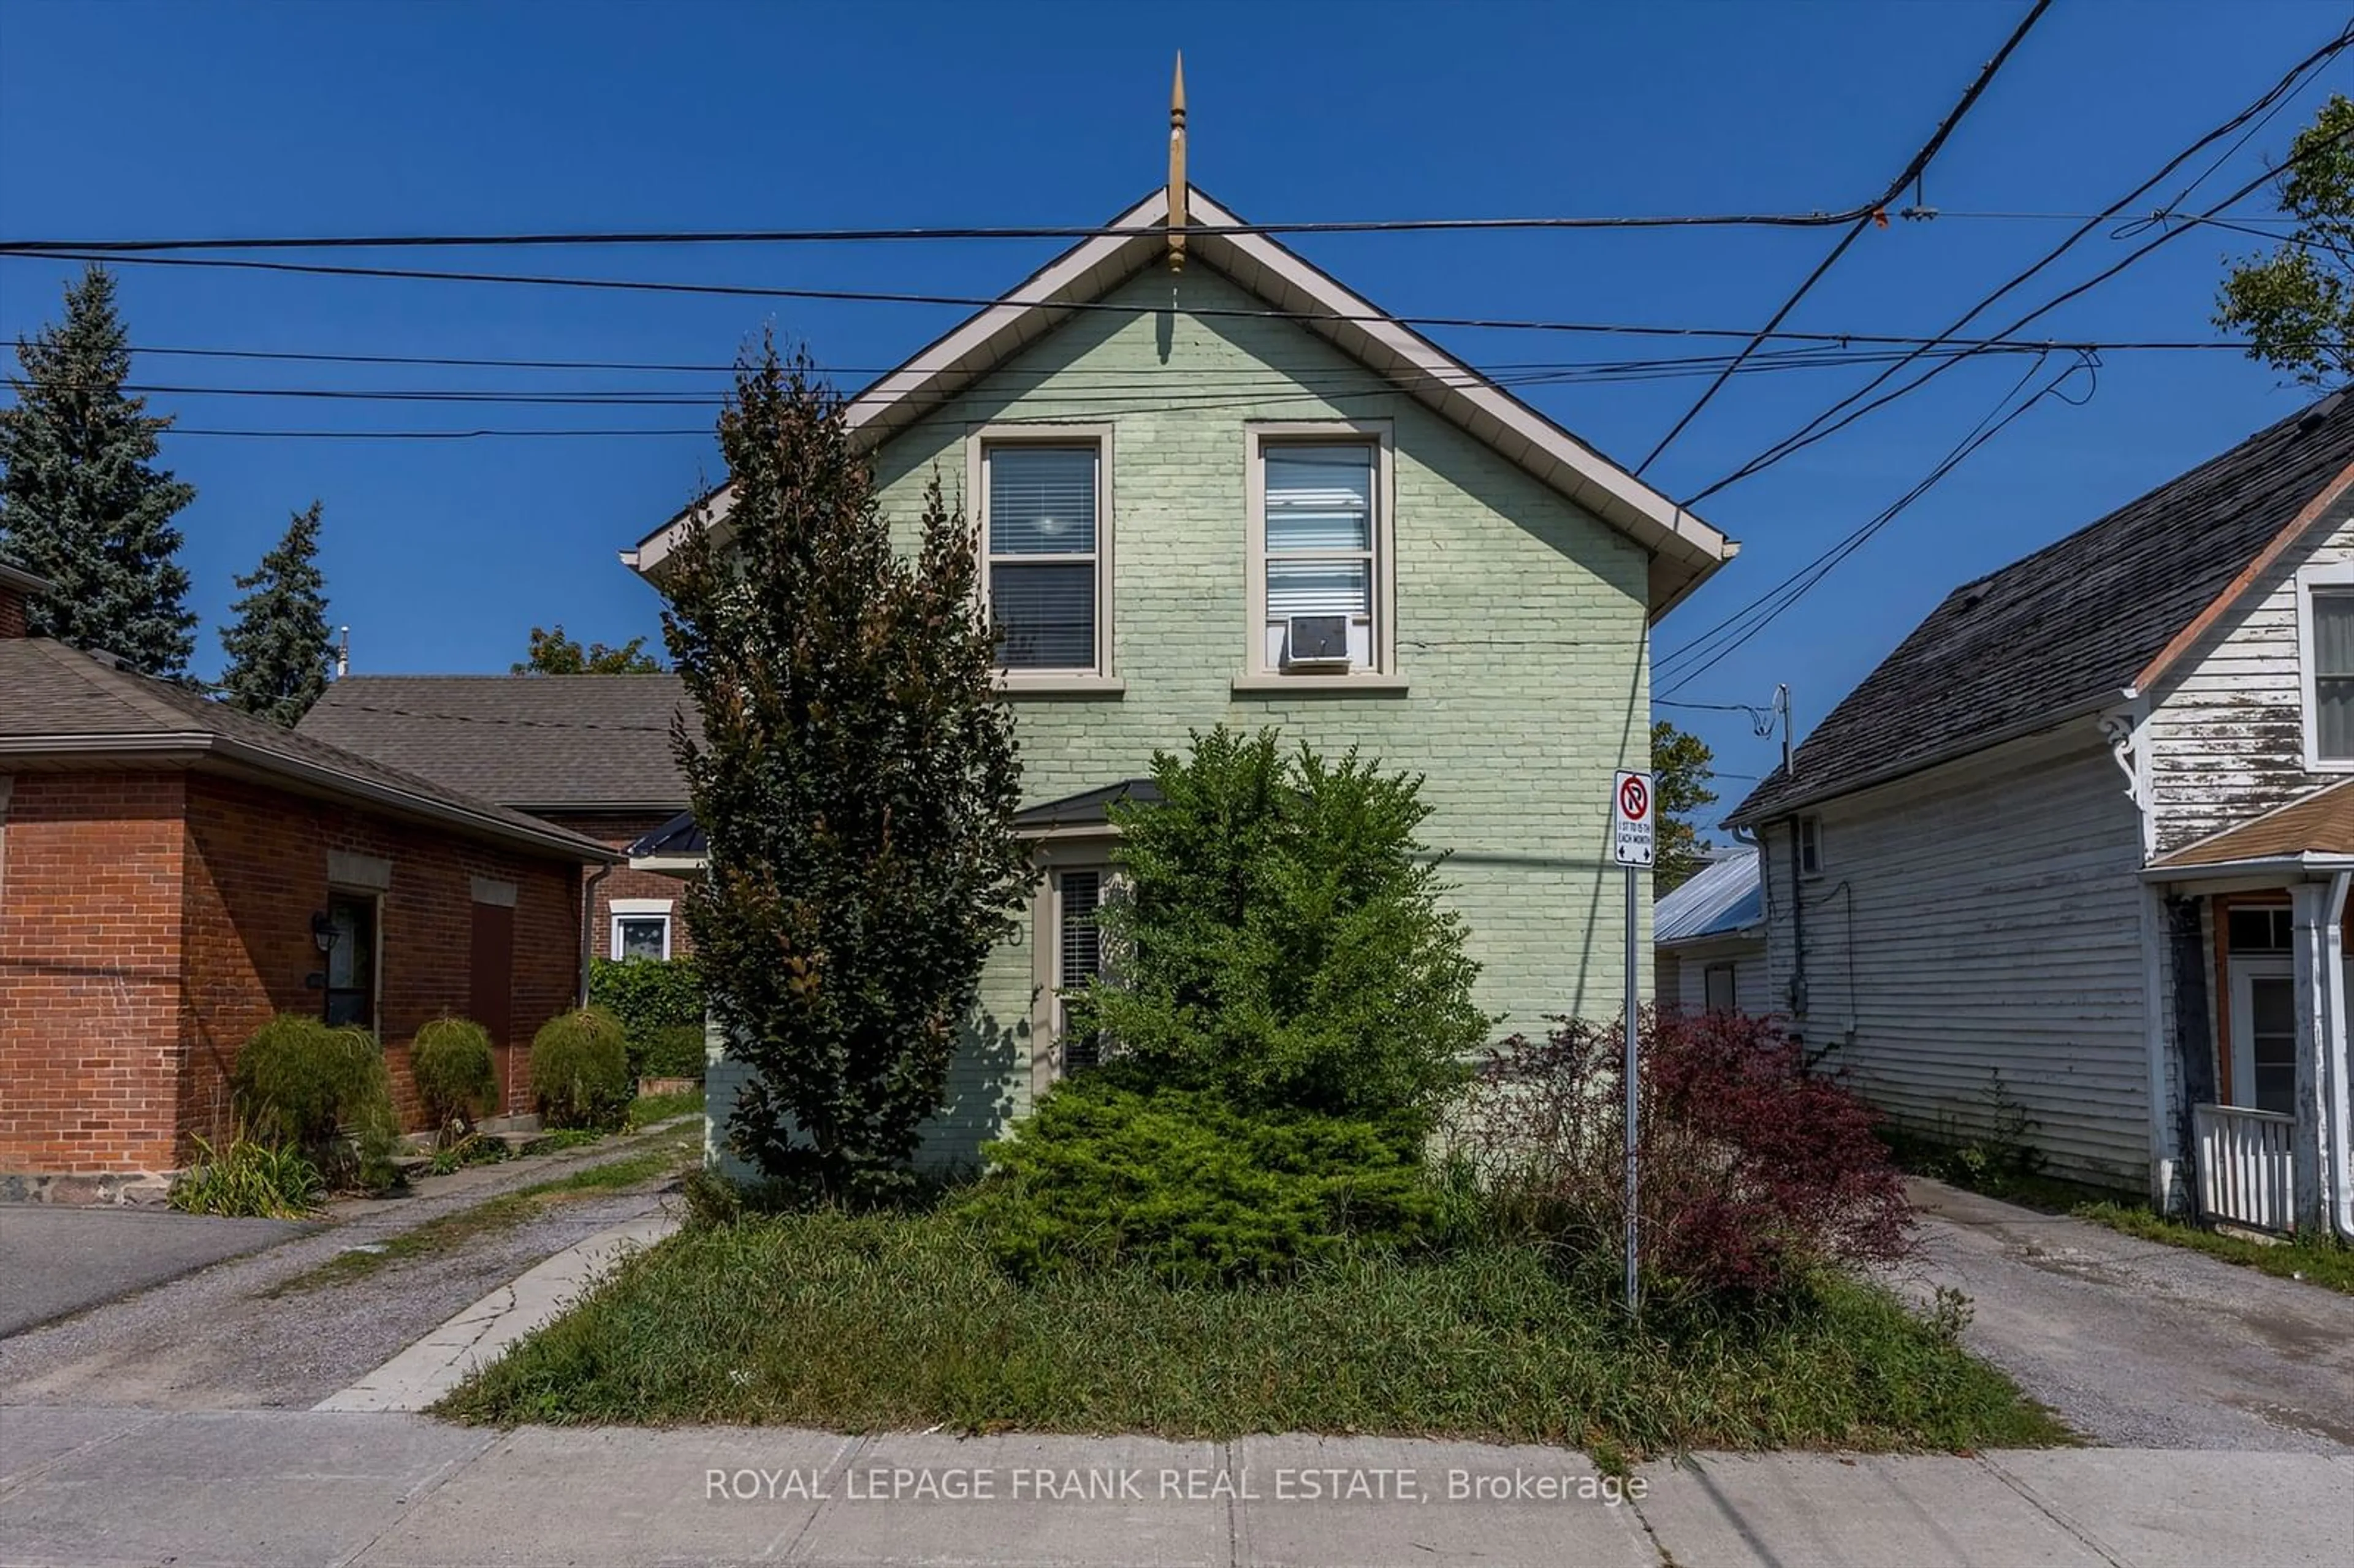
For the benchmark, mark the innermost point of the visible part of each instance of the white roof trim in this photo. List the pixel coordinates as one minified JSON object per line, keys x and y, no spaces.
{"x":1684,"y":550}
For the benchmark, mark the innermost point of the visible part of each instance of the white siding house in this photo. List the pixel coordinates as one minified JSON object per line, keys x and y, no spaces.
{"x":2082,"y":835}
{"x":1708,"y":938}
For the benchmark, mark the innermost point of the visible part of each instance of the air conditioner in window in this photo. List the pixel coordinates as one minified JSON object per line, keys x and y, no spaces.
{"x":1316,"y":642}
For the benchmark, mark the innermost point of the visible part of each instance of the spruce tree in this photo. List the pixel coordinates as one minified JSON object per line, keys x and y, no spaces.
{"x":280,"y":649}
{"x":81,"y":502}
{"x":855,"y":776}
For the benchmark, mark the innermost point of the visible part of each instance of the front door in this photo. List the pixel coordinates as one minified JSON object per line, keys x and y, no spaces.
{"x":2263,"y":1034}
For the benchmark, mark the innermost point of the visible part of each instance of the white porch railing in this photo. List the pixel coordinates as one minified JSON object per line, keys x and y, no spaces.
{"x":2243,"y":1166}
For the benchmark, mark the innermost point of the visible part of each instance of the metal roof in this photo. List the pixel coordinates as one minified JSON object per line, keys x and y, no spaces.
{"x":1718,"y":900}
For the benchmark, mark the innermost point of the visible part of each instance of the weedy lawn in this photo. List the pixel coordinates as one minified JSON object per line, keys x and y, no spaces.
{"x":879,"y":1321}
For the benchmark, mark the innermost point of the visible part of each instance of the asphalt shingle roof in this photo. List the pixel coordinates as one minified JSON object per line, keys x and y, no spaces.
{"x":545,"y":742}
{"x":2059,"y":630}
{"x":49,"y":693}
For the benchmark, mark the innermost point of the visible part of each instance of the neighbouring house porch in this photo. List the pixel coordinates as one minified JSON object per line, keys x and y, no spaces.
{"x":2261,"y":986}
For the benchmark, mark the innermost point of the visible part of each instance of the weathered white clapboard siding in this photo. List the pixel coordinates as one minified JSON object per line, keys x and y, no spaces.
{"x":1985,"y":916}
{"x":2226,"y":728}
{"x":1683,"y":974}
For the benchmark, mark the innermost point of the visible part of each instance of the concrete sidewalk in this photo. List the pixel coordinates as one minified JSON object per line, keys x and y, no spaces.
{"x":83,"y":1487}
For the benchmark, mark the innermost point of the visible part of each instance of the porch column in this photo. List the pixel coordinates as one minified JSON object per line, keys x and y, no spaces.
{"x":2319,"y":949}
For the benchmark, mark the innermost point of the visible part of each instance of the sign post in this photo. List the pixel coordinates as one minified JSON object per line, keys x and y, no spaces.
{"x":1632,"y":839}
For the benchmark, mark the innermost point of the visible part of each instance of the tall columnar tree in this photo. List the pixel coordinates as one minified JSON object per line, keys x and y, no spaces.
{"x":856,"y":778}
{"x":1680,"y":775}
{"x":280,"y":649}
{"x":554,"y":653}
{"x":2297,"y":305}
{"x":81,"y":501}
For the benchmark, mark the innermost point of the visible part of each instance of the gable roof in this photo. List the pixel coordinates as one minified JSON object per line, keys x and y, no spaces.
{"x":539,"y":742}
{"x":1684,"y":550}
{"x":1720,"y":899}
{"x":61,"y":706}
{"x":2079,"y":624}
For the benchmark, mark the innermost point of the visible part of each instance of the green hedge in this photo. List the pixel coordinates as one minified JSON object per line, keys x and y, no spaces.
{"x":657,"y":1000}
{"x":1198,"y":1190}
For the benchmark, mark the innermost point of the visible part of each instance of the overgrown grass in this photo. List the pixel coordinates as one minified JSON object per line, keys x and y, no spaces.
{"x":2316,"y":1260}
{"x":862,"y":1323}
{"x":648,"y":1110}
{"x":248,"y":1179}
{"x":446,"y":1232}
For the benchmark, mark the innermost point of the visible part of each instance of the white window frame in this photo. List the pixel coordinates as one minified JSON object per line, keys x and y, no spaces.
{"x":1805,"y":821}
{"x":1100,"y":678}
{"x":621,"y":909}
{"x":2333,"y":578}
{"x":1258,"y":674}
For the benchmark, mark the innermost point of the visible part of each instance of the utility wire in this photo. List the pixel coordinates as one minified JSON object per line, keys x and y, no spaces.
{"x":1815,"y":430}
{"x":1877,"y":212}
{"x":1815,"y":219}
{"x":1712,"y":647}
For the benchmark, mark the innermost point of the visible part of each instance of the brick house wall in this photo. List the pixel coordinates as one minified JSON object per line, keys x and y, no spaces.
{"x":12,"y":613}
{"x":91,"y":877}
{"x":621,"y":830}
{"x":150,"y":922}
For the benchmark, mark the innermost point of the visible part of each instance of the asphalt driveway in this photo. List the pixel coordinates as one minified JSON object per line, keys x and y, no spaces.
{"x":2138,"y":1344}
{"x":56,"y":1259}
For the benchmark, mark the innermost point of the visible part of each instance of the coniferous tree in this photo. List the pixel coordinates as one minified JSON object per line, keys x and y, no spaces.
{"x":856,"y":778}
{"x":280,"y":649}
{"x":81,"y":502}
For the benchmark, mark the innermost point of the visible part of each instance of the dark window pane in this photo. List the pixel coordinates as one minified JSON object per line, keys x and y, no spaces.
{"x":1042,"y":501}
{"x":351,"y":962}
{"x":1045,"y":616}
{"x":643,"y":938}
{"x":2260,"y":930}
{"x":2272,"y":1021}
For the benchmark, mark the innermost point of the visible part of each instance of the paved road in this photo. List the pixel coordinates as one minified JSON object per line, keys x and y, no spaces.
{"x":56,"y":1258}
{"x":217,"y":1341}
{"x":2139,"y":1344}
{"x":259,"y":1489}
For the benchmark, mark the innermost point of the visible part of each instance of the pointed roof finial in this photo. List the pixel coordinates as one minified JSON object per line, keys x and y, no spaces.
{"x":1177,"y":220}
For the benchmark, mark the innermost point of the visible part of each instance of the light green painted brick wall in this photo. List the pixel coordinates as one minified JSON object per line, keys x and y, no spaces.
{"x":1521,"y":631}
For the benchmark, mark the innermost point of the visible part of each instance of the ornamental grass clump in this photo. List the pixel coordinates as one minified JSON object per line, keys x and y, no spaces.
{"x":456,"y":1077}
{"x":580,"y":1070}
{"x":246,"y":1179}
{"x":300,"y":1082}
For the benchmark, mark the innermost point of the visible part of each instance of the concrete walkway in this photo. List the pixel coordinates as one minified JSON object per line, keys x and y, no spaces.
{"x":86,"y":1487}
{"x":2139,"y":1344}
{"x":479,"y":1335}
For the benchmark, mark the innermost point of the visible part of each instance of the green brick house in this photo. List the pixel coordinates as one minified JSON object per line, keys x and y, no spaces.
{"x":1236,"y":492}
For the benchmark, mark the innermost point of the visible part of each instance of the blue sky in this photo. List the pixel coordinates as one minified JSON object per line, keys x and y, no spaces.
{"x":139,"y":119}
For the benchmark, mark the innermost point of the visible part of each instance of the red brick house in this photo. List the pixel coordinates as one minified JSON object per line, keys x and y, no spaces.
{"x":591,"y":753}
{"x":173,"y":872}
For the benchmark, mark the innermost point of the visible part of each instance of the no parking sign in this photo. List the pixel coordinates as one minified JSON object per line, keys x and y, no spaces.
{"x":1631,"y":811}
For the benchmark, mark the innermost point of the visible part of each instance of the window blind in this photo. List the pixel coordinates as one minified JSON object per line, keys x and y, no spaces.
{"x":1081,"y":954}
{"x":1319,"y":498}
{"x":1042,"y":501}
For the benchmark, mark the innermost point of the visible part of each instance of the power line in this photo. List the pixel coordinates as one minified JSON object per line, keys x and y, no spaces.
{"x":671,"y":237}
{"x":1712,"y":646}
{"x":2264,"y":105}
{"x":1877,"y":213}
{"x":1815,"y":219}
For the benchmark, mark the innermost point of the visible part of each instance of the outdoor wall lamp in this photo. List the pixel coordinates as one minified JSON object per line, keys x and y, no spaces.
{"x":323,"y":931}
